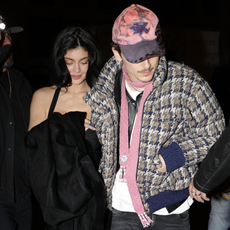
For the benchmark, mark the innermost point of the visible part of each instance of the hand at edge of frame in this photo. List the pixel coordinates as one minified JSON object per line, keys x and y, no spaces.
{"x":196,"y":194}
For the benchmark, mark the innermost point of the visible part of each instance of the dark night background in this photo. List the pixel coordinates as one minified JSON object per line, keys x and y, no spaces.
{"x":196,"y":32}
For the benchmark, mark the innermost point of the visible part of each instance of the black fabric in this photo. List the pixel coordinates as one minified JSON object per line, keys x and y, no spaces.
{"x":20,"y":129}
{"x":5,"y":82}
{"x":173,"y":207}
{"x":93,"y":146}
{"x":54,"y":101}
{"x":17,"y":215}
{"x":117,"y":94}
{"x":117,"y":89}
{"x":62,"y":175}
{"x":133,"y":109}
{"x":214,"y":169}
{"x":3,"y":51}
{"x":14,"y":120}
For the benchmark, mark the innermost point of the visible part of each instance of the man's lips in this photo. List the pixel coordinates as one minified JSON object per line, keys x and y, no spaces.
{"x":146,"y":73}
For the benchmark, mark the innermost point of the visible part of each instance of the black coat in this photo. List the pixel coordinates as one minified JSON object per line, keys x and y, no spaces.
{"x":23,"y":91}
{"x":62,"y":175}
{"x":215,"y":168}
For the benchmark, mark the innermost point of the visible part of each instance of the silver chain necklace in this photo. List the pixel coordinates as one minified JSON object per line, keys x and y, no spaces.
{"x":10,"y":94}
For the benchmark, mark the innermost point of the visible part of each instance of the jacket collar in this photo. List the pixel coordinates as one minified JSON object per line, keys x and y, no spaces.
{"x":105,"y":84}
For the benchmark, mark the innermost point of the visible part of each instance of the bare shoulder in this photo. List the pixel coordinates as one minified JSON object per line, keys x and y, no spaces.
{"x":43,"y":96}
{"x":40,"y":105}
{"x":45,"y":93}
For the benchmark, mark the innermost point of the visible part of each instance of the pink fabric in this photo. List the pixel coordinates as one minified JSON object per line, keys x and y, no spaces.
{"x":129,"y":156}
{"x":138,"y":84}
{"x":135,"y":24}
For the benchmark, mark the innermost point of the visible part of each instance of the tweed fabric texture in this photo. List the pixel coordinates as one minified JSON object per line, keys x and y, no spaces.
{"x":181,"y":110}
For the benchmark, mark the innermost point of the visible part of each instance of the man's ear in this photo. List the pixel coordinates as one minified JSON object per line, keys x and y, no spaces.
{"x":116,"y":54}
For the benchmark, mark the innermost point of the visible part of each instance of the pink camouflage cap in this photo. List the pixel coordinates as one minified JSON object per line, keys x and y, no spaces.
{"x":138,"y":33}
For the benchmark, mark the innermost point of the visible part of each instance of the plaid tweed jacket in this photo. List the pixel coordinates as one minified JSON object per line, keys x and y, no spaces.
{"x":181,"y":120}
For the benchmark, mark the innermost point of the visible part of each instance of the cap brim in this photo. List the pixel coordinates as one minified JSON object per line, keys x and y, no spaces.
{"x":15,"y":29}
{"x":140,"y":51}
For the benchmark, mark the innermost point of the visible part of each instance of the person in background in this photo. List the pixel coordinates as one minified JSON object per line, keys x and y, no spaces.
{"x":216,"y":166}
{"x":156,"y":121}
{"x":213,"y":171}
{"x":15,"y":98}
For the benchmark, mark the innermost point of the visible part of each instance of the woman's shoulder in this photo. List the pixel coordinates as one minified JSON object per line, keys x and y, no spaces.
{"x":45,"y":91}
{"x":42,"y":97}
{"x":40,"y":105}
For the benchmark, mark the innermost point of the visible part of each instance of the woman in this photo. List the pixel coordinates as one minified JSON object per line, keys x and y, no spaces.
{"x":75,"y":64}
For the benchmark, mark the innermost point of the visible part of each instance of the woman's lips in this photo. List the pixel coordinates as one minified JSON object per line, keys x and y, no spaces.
{"x":76,"y":77}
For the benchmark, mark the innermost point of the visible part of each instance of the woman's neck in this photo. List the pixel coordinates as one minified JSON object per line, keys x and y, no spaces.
{"x":83,"y":87}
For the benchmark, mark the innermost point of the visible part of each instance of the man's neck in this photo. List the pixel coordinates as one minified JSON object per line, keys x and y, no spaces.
{"x":139,"y":89}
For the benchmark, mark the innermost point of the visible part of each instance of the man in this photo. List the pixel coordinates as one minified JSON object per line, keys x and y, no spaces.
{"x":213,"y":171}
{"x":15,"y":97}
{"x":161,"y":117}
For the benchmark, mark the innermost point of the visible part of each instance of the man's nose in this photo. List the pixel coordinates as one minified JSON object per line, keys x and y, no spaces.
{"x":146,"y":64}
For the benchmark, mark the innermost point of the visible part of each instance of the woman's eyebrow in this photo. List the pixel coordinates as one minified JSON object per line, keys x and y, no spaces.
{"x":79,"y":60}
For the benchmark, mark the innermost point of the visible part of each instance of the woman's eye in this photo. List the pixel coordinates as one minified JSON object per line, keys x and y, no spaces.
{"x":84,"y":63}
{"x":68,"y":63}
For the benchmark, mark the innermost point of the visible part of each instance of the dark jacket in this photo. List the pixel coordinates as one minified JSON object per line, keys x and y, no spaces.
{"x":24,"y":92}
{"x":62,"y":175}
{"x":215,"y":168}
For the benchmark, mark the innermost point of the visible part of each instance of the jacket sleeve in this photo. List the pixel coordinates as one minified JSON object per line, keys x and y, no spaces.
{"x":201,"y":128}
{"x":206,"y":124}
{"x":96,"y":98}
{"x":104,"y":115}
{"x":215,"y":167}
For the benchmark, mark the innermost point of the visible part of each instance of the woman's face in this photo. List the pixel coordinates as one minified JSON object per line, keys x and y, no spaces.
{"x":77,"y":62}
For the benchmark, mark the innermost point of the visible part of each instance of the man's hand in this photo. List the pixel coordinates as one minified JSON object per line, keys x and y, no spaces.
{"x":196,"y":194}
{"x":163,"y":167}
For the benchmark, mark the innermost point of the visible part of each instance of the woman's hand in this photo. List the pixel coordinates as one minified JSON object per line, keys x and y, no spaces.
{"x":87,"y":125}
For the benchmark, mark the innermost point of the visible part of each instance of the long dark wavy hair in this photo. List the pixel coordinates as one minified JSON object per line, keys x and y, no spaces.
{"x":71,"y":38}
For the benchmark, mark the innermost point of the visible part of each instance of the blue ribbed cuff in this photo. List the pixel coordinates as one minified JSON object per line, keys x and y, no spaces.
{"x":172,"y":156}
{"x":166,"y":198}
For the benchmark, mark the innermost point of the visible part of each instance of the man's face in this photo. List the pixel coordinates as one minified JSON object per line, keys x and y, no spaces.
{"x":142,"y":71}
{"x":6,"y":36}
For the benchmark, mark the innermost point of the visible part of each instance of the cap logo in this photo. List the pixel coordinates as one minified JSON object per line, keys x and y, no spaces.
{"x":140,"y":27}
